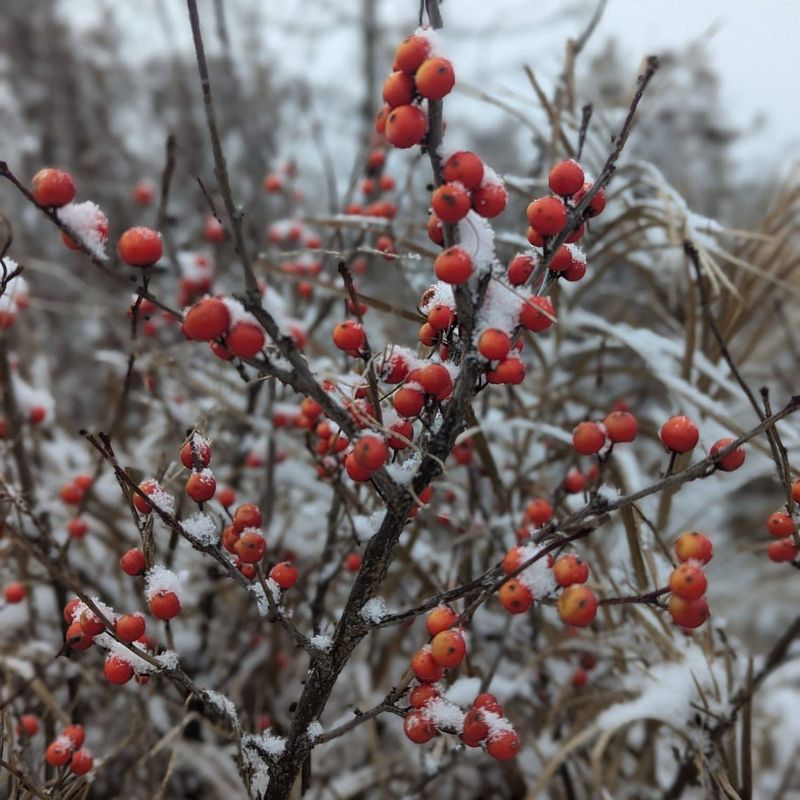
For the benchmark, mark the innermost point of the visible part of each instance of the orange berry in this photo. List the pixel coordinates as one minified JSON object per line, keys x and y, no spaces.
{"x":418,"y":727}
{"x":453,"y":265}
{"x":464,"y":167}
{"x":434,"y":379}
{"x":679,"y":434}
{"x":694,"y":546}
{"x":512,"y":560}
{"x":410,"y":54}
{"x":164,"y":605}
{"x":422,"y":695}
{"x":406,"y":126}
{"x":435,"y":78}
{"x":349,"y":335}
{"x":494,"y":344}
{"x":566,"y":178}
{"x":440,"y":619}
{"x":730,"y":462}
{"x":547,"y":215}
{"x":425,"y":667}
{"x":451,"y":202}
{"x":490,"y":200}
{"x":569,"y":570}
{"x":539,"y":511}
{"x":537,"y":314}
{"x":621,"y":426}
{"x":577,"y":605}
{"x":588,"y":438}
{"x":515,"y":597}
{"x":140,"y":246}
{"x":780,"y":525}
{"x":398,"y":90}
{"x":688,"y":613}
{"x":427,"y":335}
{"x":117,"y":670}
{"x":207,"y":319}
{"x":448,"y":648}
{"x":688,"y":582}
{"x":53,"y":187}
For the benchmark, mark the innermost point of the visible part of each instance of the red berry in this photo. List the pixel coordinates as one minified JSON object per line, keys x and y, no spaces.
{"x":440,"y":318}
{"x":403,"y":433}
{"x":77,"y":528}
{"x":520,"y":269}
{"x":196,"y":449}
{"x":28,"y":725}
{"x":425,"y":667}
{"x":76,"y":734}
{"x":440,"y":619}
{"x":539,"y":511}
{"x":434,"y":379}
{"x":577,"y":605}
{"x":688,"y":582}
{"x":143,"y":193}
{"x":494,"y":344}
{"x":352,"y":562}
{"x":503,"y":746}
{"x":69,"y":609}
{"x":688,"y":613}
{"x":435,"y":229}
{"x":475,"y":730}
{"x":71,"y":494}
{"x":509,"y":371}
{"x":566,"y":178}
{"x":201,"y":486}
{"x":90,"y":624}
{"x":117,"y":670}
{"x":435,"y":78}
{"x":207,"y":319}
{"x":730,"y":462}
{"x":453,"y":265}
{"x":448,"y":648}
{"x":406,"y":126}
{"x":782,"y":550}
{"x":398,"y":90}
{"x":371,"y":452}
{"x":133,"y":562}
{"x":423,"y":694}
{"x":226,"y":497}
{"x":76,"y":638}
{"x":515,"y":597}
{"x":213,"y":232}
{"x":58,"y":753}
{"x":570,"y":569}
{"x":349,"y":336}
{"x":247,"y":515}
{"x":464,"y":167}
{"x":245,"y":340}
{"x":679,"y":434}
{"x":780,"y":525}
{"x":796,"y":490}
{"x":130,"y":627}
{"x":164,"y":605}
{"x":451,"y":202}
{"x":140,"y":247}
{"x":488,"y":702}
{"x":411,"y":52}
{"x":596,"y":204}
{"x":418,"y":727}
{"x":81,"y":762}
{"x":694,"y":546}
{"x":621,"y":426}
{"x":547,"y":215}
{"x":574,"y":482}
{"x":250,"y":547}
{"x":490,"y":200}
{"x":408,"y":402}
{"x":537,"y":314}
{"x":53,"y":187}
{"x":284,"y":574}
{"x":588,"y":438}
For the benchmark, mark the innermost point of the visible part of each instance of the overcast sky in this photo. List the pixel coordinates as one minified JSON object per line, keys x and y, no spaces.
{"x":753,"y":46}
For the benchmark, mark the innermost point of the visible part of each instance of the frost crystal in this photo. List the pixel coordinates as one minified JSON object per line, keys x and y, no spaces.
{"x":374,"y":610}
{"x":321,"y":642}
{"x":202,"y":528}
{"x":160,"y":579}
{"x":314,"y":730}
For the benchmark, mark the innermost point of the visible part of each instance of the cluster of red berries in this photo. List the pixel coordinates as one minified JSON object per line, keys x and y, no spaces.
{"x":548,"y":216}
{"x":68,"y":750}
{"x":418,"y":75}
{"x":483,"y":723}
{"x":782,"y":528}
{"x":687,"y":582}
{"x":196,"y":456}
{"x":469,"y":186}
{"x":282,"y":181}
{"x":374,"y":185}
{"x":211,"y":319}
